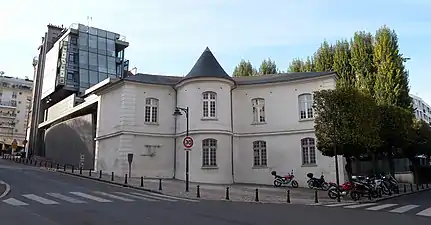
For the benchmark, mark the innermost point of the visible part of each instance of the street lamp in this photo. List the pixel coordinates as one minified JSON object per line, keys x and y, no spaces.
{"x":178,"y":112}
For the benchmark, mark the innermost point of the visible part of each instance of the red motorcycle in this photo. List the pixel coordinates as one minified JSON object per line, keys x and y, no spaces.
{"x":343,"y":189}
{"x":284,"y":180}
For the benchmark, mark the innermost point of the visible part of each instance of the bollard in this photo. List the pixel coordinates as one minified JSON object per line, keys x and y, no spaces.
{"x":369,"y":195}
{"x":89,"y":172}
{"x":73,"y":168}
{"x":405,"y":189}
{"x":31,"y":161}
{"x":142,"y":181}
{"x":100,"y":174}
{"x":423,"y":186}
{"x":46,"y":164}
{"x":40,"y":163}
{"x":58,"y":166}
{"x":112,"y":176}
{"x":35,"y":163}
{"x":198,"y":191}
{"x":125,"y":179}
{"x":316,"y":200}
{"x":227,"y":194}
{"x":80,"y":170}
{"x":417,"y":187}
{"x":411,"y":187}
{"x":51,"y":165}
{"x":19,"y":160}
{"x":427,"y":185}
{"x":256,"y":195}
{"x":288,"y":196}
{"x":160,"y":184}
{"x":64,"y":167}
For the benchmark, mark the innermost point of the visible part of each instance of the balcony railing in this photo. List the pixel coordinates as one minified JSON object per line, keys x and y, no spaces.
{"x":8,"y":103}
{"x":7,"y":114}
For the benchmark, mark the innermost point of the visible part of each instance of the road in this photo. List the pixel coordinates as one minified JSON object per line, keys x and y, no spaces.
{"x":40,"y":197}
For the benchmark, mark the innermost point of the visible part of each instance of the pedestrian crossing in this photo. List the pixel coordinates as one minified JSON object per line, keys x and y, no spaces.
{"x":391,"y":208}
{"x":85,"y":198}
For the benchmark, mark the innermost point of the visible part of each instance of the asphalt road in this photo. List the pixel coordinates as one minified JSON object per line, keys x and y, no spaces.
{"x":37,"y":197}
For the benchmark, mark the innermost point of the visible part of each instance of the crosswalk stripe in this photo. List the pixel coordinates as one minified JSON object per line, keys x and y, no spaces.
{"x":155,"y":197}
{"x":379,"y":207}
{"x":404,"y":208}
{"x":114,"y":196}
{"x":91,"y":197}
{"x":137,"y":197}
{"x":341,"y":204}
{"x":15,"y":202}
{"x":173,"y":197}
{"x":40,"y":199}
{"x":65,"y":198}
{"x":426,"y":212}
{"x":359,"y":205}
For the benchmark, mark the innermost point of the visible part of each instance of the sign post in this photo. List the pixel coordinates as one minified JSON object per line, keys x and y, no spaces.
{"x":81,"y":160}
{"x":130,"y":160}
{"x":188,"y":144}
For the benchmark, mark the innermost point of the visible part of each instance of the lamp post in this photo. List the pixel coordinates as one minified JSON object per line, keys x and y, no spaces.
{"x":178,"y":112}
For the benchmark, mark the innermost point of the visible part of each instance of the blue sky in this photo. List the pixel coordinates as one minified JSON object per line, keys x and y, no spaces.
{"x":167,"y":36}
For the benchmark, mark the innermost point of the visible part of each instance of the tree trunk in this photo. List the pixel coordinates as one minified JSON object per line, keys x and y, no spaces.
{"x":391,"y":163}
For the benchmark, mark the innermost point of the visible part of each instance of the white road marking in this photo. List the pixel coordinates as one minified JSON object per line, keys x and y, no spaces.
{"x":40,"y":199}
{"x":403,"y":209}
{"x":173,"y":197}
{"x":15,"y":202}
{"x":65,"y":198}
{"x":91,"y":197}
{"x":137,"y":197}
{"x":426,"y":212}
{"x":341,"y":204}
{"x":114,"y":196}
{"x":155,"y":197}
{"x":359,"y":205}
{"x":379,"y":207}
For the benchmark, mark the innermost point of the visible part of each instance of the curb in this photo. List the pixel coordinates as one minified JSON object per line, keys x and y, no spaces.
{"x":7,"y":189}
{"x":394,"y":196}
{"x":110,"y":182}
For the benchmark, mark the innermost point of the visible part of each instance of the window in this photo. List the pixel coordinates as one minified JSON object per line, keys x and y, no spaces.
{"x":112,"y":66}
{"x":259,"y":151}
{"x":308,"y":151}
{"x":102,"y":63}
{"x":84,"y":81}
{"x":83,"y":41}
{"x":13,"y":94}
{"x":92,"y":43}
{"x":209,"y":152}
{"x":110,"y":46}
{"x":305,"y":106}
{"x":209,"y":104}
{"x":258,"y":110}
{"x":94,"y":78}
{"x":101,"y":45}
{"x":151,"y":110}
{"x":93,"y":61}
{"x":13,"y":103}
{"x":83,"y":59}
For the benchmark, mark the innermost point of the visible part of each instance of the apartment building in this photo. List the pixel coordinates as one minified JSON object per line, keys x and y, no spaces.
{"x":422,"y":109}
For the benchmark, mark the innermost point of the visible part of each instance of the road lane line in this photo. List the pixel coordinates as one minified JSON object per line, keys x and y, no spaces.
{"x":155,"y":197}
{"x":65,"y":198}
{"x":114,"y":196}
{"x":379,"y":207}
{"x":173,"y":197}
{"x":404,"y":208}
{"x":91,"y":197}
{"x":15,"y":202}
{"x":341,"y":204}
{"x":137,"y":197}
{"x":426,"y":212}
{"x":40,"y":199}
{"x":359,"y":205}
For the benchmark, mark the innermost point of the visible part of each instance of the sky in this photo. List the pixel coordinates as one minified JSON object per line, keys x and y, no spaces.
{"x":167,"y":36}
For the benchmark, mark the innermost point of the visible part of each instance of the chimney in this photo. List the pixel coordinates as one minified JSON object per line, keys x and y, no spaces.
{"x":134,"y":70}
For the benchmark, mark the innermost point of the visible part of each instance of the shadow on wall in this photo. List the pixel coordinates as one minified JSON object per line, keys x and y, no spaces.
{"x":72,"y":142}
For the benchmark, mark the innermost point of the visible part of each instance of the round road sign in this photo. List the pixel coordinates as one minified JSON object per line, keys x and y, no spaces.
{"x":188,"y":142}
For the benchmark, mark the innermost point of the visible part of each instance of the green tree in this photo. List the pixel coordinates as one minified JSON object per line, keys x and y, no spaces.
{"x":341,"y":64}
{"x":345,"y":121}
{"x":244,"y":68}
{"x":419,"y":141}
{"x":268,"y":67}
{"x":361,"y":47}
{"x":297,"y":65}
{"x":392,"y":84}
{"x":323,"y":58}
{"x":309,"y":65}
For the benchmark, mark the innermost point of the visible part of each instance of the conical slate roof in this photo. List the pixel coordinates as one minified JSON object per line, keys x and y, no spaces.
{"x":207,"y":66}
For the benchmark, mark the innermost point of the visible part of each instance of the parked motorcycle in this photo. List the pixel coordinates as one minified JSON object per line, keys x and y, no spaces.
{"x":318,"y":183}
{"x":284,"y":180}
{"x":343,"y":189}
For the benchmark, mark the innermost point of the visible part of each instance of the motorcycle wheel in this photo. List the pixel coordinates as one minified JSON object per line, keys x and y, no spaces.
{"x":310,"y":184}
{"x":295,"y":184}
{"x":277,"y":183}
{"x":355,"y":195}
{"x":332,"y":193}
{"x":325,"y":186}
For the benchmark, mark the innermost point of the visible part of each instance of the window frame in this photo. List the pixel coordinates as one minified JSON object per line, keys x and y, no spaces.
{"x":307,"y":105}
{"x":258,"y":109}
{"x":260,"y":149}
{"x":209,"y":152}
{"x":152,"y":104}
{"x":206,"y":105}
{"x":308,"y":151}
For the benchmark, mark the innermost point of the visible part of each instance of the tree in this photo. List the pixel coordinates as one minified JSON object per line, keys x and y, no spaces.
{"x":341,"y":64}
{"x":361,"y":47}
{"x":268,"y":67}
{"x":309,"y":65}
{"x":297,"y":65}
{"x":346,"y":120}
{"x":244,"y":68}
{"x":392,"y":84}
{"x":323,"y":58}
{"x":419,"y":141}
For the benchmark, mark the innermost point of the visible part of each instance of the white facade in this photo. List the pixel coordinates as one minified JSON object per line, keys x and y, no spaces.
{"x":15,"y":101}
{"x":422,"y":109}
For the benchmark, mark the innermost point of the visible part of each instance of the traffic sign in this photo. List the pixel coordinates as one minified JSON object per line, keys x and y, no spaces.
{"x":188,"y":142}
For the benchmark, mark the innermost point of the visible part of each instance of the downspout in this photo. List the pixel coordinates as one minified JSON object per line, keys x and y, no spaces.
{"x":232,"y":137}
{"x":175,"y":135}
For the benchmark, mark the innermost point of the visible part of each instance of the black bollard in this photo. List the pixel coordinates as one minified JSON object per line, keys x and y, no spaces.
{"x":369,"y":195}
{"x":89,"y":172}
{"x":288,"y":196}
{"x":100,"y":174}
{"x":64,"y":168}
{"x":142,"y":181}
{"x":80,"y":170}
{"x":423,"y":186}
{"x":46,"y":164}
{"x":112,"y":176}
{"x":411,"y":187}
{"x":40,"y":163}
{"x":405,"y":189}
{"x":227,"y":194}
{"x":256,"y":195}
{"x":125,"y":179}
{"x":427,"y":185}
{"x":31,"y":161}
{"x":198,"y":191}
{"x":73,"y":168}
{"x":160,"y":184}
{"x":35,"y":163}
{"x":51,"y":165}
{"x":316,"y":199}
{"x":58,"y":166}
{"x":417,"y":187}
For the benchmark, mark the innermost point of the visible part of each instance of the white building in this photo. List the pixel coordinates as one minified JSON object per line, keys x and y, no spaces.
{"x":422,"y":109}
{"x":15,"y":99}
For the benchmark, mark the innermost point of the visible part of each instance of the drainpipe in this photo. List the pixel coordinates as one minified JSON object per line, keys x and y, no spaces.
{"x":175,"y":134}
{"x":232,"y":138}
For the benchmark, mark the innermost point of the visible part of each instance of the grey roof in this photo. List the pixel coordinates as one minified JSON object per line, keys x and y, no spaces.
{"x":207,"y":66}
{"x":276,"y":78}
{"x":153,"y":79}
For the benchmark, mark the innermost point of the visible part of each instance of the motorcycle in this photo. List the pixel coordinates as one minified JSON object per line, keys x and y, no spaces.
{"x":343,"y":189}
{"x":284,"y":180}
{"x":318,"y":183}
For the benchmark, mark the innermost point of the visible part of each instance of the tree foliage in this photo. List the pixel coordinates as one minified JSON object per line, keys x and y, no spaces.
{"x":324,"y":58}
{"x":267,"y":67}
{"x":341,"y":64}
{"x":361,"y":47}
{"x":419,"y":140}
{"x":244,"y":68}
{"x":297,"y":65}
